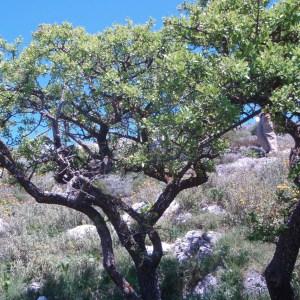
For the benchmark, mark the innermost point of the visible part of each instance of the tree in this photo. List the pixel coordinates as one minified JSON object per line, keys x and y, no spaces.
{"x":166,"y":96}
{"x":280,"y":270}
{"x":70,"y":100}
{"x":260,"y":41}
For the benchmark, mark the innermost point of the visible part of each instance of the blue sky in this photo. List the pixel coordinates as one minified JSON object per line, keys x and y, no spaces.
{"x":21,"y":17}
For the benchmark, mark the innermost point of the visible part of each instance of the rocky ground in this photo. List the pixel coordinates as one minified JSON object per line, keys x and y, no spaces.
{"x":214,"y":245}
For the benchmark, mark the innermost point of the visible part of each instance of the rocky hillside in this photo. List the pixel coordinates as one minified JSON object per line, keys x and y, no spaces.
{"x":218,"y":237}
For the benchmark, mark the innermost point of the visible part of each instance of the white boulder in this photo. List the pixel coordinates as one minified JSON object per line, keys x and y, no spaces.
{"x":4,"y":228}
{"x":205,"y":286}
{"x":82,"y":232}
{"x":165,"y":246}
{"x":195,"y":244}
{"x":254,"y":284}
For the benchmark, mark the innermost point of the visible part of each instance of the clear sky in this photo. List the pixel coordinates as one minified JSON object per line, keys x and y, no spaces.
{"x":21,"y":17}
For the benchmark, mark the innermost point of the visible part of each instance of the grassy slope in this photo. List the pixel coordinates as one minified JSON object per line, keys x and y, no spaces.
{"x":38,"y":249}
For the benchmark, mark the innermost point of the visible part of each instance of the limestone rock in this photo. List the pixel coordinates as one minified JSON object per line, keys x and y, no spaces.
{"x":82,"y":232}
{"x":212,"y":236}
{"x":254,"y":284}
{"x":205,"y":286}
{"x":4,"y":228}
{"x":34,"y":288}
{"x":166,"y":248}
{"x":183,"y":218}
{"x":138,"y":206}
{"x":195,"y":244}
{"x":214,"y":209}
{"x":172,"y":209}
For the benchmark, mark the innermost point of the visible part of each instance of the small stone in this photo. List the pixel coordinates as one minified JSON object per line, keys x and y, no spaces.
{"x":204,"y":251}
{"x":214,"y":209}
{"x":205,"y":286}
{"x":212,"y":236}
{"x":183,"y":218}
{"x":254,"y":284}
{"x":34,"y":287}
{"x":190,"y":235}
{"x":139,"y":206}
{"x":42,"y":298}
{"x":126,"y":218}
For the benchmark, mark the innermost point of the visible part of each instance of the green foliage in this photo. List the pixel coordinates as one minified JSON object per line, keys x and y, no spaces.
{"x":129,"y":78}
{"x":171,"y":279}
{"x":140,"y":83}
{"x":252,"y":48}
{"x":267,"y":225}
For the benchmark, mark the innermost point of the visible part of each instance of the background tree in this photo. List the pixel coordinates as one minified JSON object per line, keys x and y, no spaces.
{"x":254,"y":49}
{"x":71,"y":101}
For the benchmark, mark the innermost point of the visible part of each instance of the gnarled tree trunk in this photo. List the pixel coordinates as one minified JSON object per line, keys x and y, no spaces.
{"x":279,"y":271}
{"x":148,"y":282}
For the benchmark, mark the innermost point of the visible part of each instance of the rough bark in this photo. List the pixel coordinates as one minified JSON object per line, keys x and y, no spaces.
{"x":279,"y":271}
{"x":146,"y":268}
{"x":148,"y":282}
{"x":108,"y":254}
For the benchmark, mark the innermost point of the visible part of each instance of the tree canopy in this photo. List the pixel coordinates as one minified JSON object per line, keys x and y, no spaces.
{"x":254,"y":46}
{"x":137,"y":97}
{"x":149,"y":101}
{"x":127,"y":82}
